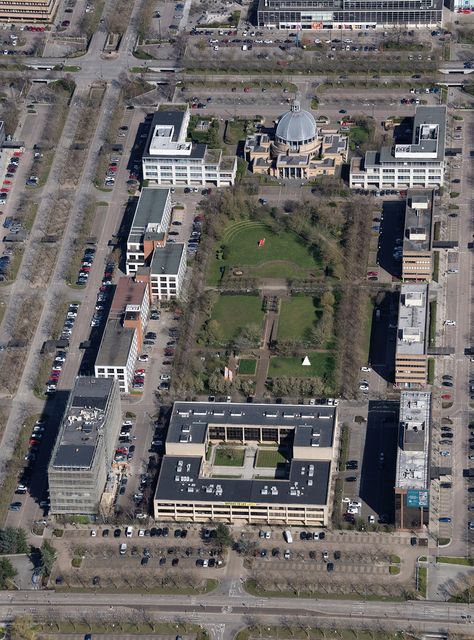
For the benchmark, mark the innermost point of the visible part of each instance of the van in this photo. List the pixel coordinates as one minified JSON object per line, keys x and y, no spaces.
{"x":123,"y":548}
{"x":129,"y":532}
{"x":288,"y":537}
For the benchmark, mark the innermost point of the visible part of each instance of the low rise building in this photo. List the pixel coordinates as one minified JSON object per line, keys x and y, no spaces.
{"x":149,"y":227}
{"x":192,"y":485}
{"x":325,"y":15}
{"x":411,"y":363}
{"x":416,"y":164}
{"x":123,"y":334}
{"x":42,"y":11}
{"x":412,"y":478}
{"x":170,"y":159}
{"x":83,"y":454}
{"x":296,"y":149}
{"x":417,"y":259}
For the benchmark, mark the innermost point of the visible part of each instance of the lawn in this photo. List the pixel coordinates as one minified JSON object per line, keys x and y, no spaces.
{"x":229,"y":457}
{"x":322,"y":365}
{"x":297,"y":318}
{"x":283,"y":254}
{"x":247,"y":366}
{"x":368,"y":329}
{"x":270,"y":458}
{"x":235,"y":312}
{"x":468,"y":562}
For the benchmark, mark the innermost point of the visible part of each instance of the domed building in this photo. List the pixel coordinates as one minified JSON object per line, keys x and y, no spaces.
{"x":295,"y":148}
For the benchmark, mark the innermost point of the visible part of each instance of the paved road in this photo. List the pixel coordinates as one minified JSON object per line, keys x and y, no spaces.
{"x":240,"y":607}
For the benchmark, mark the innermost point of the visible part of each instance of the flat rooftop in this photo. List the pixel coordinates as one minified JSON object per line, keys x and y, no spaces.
{"x":194,"y":418}
{"x":180,"y":479}
{"x":418,"y":221}
{"x":412,"y":315}
{"x":428,"y":140}
{"x":413,"y":447}
{"x":166,"y":260}
{"x":148,"y":214}
{"x":82,"y":423}
{"x":127,"y":292}
{"x":115,"y":346}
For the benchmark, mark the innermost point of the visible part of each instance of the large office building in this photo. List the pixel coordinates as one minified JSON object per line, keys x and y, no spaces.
{"x":417,"y":258}
{"x":83,"y":454}
{"x":347,"y":14}
{"x":194,"y":486}
{"x":415,"y":164}
{"x":411,"y":362}
{"x":123,"y":334}
{"x":149,"y":226}
{"x":167,"y":271}
{"x":296,"y":149}
{"x":412,"y":476}
{"x":28,"y":10}
{"x":170,"y":159}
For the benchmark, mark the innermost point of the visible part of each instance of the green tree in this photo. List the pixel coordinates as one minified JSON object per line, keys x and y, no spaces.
{"x":223,"y":535}
{"x":7,"y":572}
{"x":48,"y":556}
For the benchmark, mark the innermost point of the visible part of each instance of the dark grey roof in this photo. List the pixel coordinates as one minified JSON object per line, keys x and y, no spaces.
{"x":166,"y":260}
{"x":197,"y":416}
{"x":149,"y":211}
{"x":82,"y":423}
{"x":307,"y":484}
{"x":115,"y":346}
{"x":418,"y":220}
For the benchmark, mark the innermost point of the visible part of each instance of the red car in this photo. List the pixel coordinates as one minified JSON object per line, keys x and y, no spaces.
{"x":7,"y":182}
{"x":112,"y":168}
{"x":372,"y":273}
{"x":446,"y":396}
{"x":138,"y":371}
{"x":4,"y":190}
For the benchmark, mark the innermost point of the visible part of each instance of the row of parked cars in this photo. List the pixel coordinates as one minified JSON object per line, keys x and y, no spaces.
{"x":60,"y":356}
{"x":87,"y":260}
{"x":10,"y":174}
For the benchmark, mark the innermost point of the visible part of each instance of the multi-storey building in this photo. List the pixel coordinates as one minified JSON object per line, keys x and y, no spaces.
{"x":411,"y":347}
{"x":412,"y":476}
{"x":417,"y":261}
{"x":417,"y":164}
{"x":169,"y":159}
{"x":167,"y":270}
{"x":149,"y":226}
{"x":192,"y":487}
{"x":28,"y":10}
{"x":347,"y":14}
{"x":123,"y":335}
{"x":85,"y":446}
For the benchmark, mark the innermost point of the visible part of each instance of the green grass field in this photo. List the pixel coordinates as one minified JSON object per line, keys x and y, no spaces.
{"x":247,"y":366}
{"x":269,"y":458}
{"x":229,"y":457}
{"x":282,"y":256}
{"x":322,"y":365}
{"x":297,"y":316}
{"x":234,"y":312}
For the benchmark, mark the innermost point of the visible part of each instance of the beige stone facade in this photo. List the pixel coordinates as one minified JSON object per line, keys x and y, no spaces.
{"x":28,"y":11}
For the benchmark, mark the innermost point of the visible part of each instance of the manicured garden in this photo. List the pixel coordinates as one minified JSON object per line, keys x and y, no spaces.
{"x":270,"y":458}
{"x":229,"y":457}
{"x":257,"y":251}
{"x":247,"y":366}
{"x":321,"y":365}
{"x":233,"y":313}
{"x":297,"y":317}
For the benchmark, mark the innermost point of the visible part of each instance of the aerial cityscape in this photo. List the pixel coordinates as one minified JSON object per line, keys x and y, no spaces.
{"x":236,"y":320}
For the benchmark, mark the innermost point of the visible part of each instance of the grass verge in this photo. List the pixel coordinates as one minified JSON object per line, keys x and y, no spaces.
{"x":431,"y":370}
{"x":467,"y":562}
{"x":422,"y":577}
{"x":432,"y":329}
{"x":252,"y":588}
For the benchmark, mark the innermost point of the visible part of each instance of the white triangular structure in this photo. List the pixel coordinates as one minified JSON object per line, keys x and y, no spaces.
{"x":306,"y":362}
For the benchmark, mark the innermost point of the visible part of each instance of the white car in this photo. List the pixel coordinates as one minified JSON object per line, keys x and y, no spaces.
{"x":141,"y":533}
{"x":127,"y":423}
{"x":364,"y":387}
{"x":366,"y":369}
{"x":165,"y":376}
{"x":371,"y":519}
{"x":93,"y":533}
{"x":450,"y":323}
{"x":143,"y":358}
